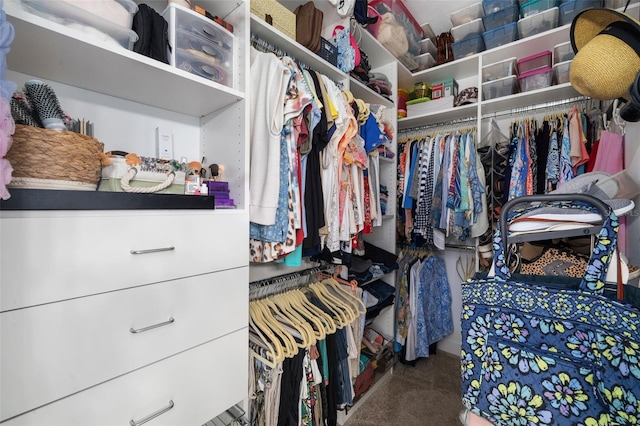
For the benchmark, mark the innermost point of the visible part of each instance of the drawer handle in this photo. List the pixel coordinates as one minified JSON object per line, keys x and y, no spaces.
{"x":155,"y":250}
{"x":151,"y":327}
{"x":152,"y":415}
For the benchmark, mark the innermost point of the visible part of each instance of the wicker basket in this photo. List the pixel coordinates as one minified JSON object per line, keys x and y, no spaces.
{"x":50,"y":159}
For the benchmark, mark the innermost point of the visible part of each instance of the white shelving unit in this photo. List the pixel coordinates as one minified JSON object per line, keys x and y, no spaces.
{"x":91,"y":331}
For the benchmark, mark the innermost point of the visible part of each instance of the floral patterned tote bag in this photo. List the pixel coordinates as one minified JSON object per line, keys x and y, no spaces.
{"x":539,"y":354}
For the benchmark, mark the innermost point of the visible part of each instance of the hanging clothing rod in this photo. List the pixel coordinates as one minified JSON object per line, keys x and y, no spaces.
{"x":267,"y":47}
{"x":419,"y":131}
{"x":281,"y":283}
{"x":532,"y":108}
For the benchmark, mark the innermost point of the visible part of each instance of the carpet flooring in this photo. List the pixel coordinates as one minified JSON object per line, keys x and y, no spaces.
{"x":427,"y":394}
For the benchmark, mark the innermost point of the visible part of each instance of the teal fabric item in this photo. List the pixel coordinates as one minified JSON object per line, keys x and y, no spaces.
{"x":539,"y":354}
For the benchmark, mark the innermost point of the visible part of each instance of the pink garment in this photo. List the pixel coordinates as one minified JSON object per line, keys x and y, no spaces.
{"x":610,"y":159}
{"x":7,"y":127}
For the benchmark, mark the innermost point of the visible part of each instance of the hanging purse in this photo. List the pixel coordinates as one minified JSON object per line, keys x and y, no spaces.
{"x":551,"y":352}
{"x":348,"y":51}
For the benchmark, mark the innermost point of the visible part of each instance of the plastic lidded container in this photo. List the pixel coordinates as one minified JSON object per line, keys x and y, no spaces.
{"x":563,"y":52}
{"x":467,"y":47}
{"x":491,"y":6}
{"x":534,"y":62}
{"x":500,"y":36}
{"x":467,"y":14}
{"x":561,"y":72}
{"x":467,"y":30}
{"x":534,"y":7}
{"x":115,"y":21}
{"x":200,"y":46}
{"x":502,"y":17}
{"x":569,"y":9}
{"x":425,"y":61}
{"x":538,"y":23}
{"x":498,"y":88}
{"x":427,"y":46}
{"x":536,"y":79}
{"x":499,"y":70}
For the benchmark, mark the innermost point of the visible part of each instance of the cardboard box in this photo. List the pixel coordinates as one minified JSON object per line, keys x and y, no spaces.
{"x":444,"y":88}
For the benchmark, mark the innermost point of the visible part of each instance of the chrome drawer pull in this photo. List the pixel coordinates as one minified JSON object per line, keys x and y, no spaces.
{"x":156,"y":250}
{"x":151,"y":327}
{"x":152,"y":415}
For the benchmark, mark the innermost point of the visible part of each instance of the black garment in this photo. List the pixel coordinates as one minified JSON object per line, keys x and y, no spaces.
{"x":543,"y":137}
{"x":290,"y":390}
{"x":153,"y":34}
{"x":332,"y":389}
{"x":313,"y":195}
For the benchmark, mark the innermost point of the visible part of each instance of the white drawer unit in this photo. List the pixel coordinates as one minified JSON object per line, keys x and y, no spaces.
{"x":84,"y":341}
{"x":180,"y":390}
{"x":79,"y":255}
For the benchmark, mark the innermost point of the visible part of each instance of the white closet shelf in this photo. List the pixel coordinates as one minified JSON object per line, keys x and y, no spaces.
{"x":526,"y":99}
{"x":277,"y":38}
{"x":459,"y":69}
{"x":360,"y":90}
{"x":61,"y":54}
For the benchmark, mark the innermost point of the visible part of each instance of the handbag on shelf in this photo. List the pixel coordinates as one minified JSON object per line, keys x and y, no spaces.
{"x":142,"y":175}
{"x":348,"y":51}
{"x":553,"y":352}
{"x":309,"y":25}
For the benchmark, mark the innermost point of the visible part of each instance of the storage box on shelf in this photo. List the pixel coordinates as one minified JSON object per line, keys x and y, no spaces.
{"x":395,"y":13}
{"x":533,"y":7}
{"x":199,"y":45}
{"x":561,"y":72}
{"x":499,"y":70}
{"x":536,"y":79}
{"x":569,"y":9}
{"x":425,"y":61}
{"x":467,"y":47}
{"x":427,"y":46}
{"x":534,"y":62}
{"x":500,"y":36}
{"x":467,"y":14}
{"x":501,"y":17}
{"x":563,"y":52}
{"x":501,"y":87}
{"x":492,"y":6}
{"x":444,"y":88}
{"x":113,"y":21}
{"x":279,"y":16}
{"x":469,"y":29}
{"x":538,"y":23}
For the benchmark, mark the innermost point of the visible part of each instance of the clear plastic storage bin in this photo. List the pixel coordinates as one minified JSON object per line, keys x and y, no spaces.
{"x":563,"y":52}
{"x":467,"y":30}
{"x":467,"y":47}
{"x":501,"y":35}
{"x":425,"y":61}
{"x":539,"y":23}
{"x":427,"y":46}
{"x":561,"y":72}
{"x":537,"y":79}
{"x":467,"y":14}
{"x":199,"y":45}
{"x":117,"y":26}
{"x":499,"y":70}
{"x":498,"y":88}
{"x":534,"y":62}
{"x":534,"y":7}
{"x":569,"y":9}
{"x":502,"y":17}
{"x":491,"y":6}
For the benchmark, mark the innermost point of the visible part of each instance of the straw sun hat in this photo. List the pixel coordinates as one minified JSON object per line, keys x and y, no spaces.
{"x":607,"y":46}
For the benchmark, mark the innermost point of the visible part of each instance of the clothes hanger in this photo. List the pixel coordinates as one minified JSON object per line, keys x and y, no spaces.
{"x":317,"y":323}
{"x":327,"y":320}
{"x":293,"y":326}
{"x":254,"y":339}
{"x":263,"y":315}
{"x":299,"y":322}
{"x":338,"y":315}
{"x":356,"y":304}
{"x":341,"y":305}
{"x":256,"y":321}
